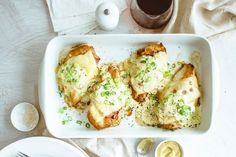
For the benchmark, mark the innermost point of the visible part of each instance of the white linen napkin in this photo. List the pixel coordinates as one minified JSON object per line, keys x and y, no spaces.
{"x":70,"y":16}
{"x":96,"y":147}
{"x":204,"y":17}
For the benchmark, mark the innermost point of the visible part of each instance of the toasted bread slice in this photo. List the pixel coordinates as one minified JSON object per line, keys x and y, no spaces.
{"x":82,"y":49}
{"x":107,"y":98}
{"x":151,"y":49}
{"x":100,"y":121}
{"x":146,"y":68}
{"x":75,"y":72}
{"x":179,"y":99}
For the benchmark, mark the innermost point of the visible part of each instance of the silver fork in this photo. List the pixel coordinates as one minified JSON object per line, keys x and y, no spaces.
{"x":20,"y":154}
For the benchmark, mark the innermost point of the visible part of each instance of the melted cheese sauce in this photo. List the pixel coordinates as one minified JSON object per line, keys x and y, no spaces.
{"x":148,"y":72}
{"x":146,"y":112}
{"x":110,"y":94}
{"x":181,"y":105}
{"x":73,"y":77}
{"x":178,"y":107}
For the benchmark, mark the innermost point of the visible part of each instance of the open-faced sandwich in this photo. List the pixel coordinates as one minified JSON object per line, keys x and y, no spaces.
{"x":147,"y":67}
{"x":108,"y":96}
{"x":146,"y":112}
{"x":179,"y":100}
{"x":75,"y":71}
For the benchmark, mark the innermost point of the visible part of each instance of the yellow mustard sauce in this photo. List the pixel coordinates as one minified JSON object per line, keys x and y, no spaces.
{"x":169,"y":149}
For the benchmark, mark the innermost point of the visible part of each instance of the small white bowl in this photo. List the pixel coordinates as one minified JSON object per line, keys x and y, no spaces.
{"x":181,"y":148}
{"x":24,"y":117}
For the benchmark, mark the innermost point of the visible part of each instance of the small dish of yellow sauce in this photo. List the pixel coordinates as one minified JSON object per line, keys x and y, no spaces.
{"x":169,"y":149}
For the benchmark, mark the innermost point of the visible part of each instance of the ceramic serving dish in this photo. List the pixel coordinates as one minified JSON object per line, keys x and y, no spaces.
{"x":117,"y":48}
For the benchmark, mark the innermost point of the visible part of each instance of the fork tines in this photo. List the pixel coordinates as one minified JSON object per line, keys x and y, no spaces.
{"x":20,"y":154}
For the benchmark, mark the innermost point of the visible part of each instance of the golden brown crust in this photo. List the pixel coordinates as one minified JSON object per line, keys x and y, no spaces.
{"x":129,"y":112}
{"x":186,"y":71}
{"x":93,"y":121}
{"x":140,"y":97}
{"x":171,"y":123}
{"x":151,"y":49}
{"x":95,"y":116}
{"x":112,"y":119}
{"x":82,"y":49}
{"x":114,"y":71}
{"x":137,"y":97}
{"x":108,"y":121}
{"x":72,"y":99}
{"x":169,"y":126}
{"x":189,"y":70}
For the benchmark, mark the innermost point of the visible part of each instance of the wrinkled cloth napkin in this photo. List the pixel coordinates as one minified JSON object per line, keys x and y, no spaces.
{"x":76,"y":16}
{"x":204,"y":17}
{"x":210,"y":18}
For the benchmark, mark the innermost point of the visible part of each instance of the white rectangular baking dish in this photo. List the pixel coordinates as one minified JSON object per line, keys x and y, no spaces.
{"x":116,"y":48}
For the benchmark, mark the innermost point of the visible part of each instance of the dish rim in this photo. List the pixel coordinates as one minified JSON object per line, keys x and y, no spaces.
{"x":42,"y":66}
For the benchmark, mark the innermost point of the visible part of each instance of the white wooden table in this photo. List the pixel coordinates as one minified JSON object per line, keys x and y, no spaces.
{"x":25,"y":29}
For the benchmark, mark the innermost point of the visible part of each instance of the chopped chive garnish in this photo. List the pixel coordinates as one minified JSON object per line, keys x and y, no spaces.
{"x":71,"y":74}
{"x":61,"y":110}
{"x":173,"y":65}
{"x":65,"y":108}
{"x":153,"y":64}
{"x":87,"y":125}
{"x":69,"y":118}
{"x":107,"y":93}
{"x":169,"y":99}
{"x":106,"y":86}
{"x":143,"y":61}
{"x":140,"y":74}
{"x":147,"y":79}
{"x":184,"y":110}
{"x":79,"y":122}
{"x":153,"y":96}
{"x":125,"y":75}
{"x":167,"y":74}
{"x":181,"y":102}
{"x":112,"y":103}
{"x":60,"y":93}
{"x":65,"y":122}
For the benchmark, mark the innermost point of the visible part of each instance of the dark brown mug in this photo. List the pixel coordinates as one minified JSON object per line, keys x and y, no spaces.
{"x":152,"y":13}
